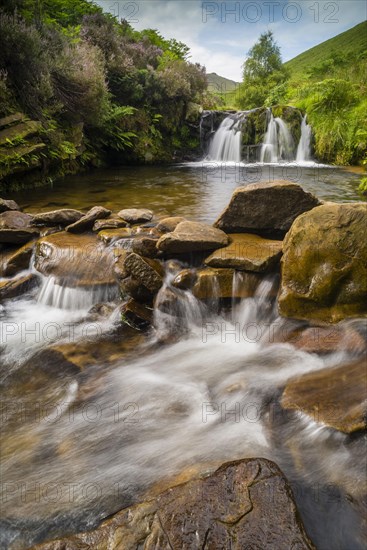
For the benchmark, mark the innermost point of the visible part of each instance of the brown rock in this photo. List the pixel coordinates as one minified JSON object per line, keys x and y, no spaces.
{"x":133,"y":288}
{"x":267,"y":209}
{"x":17,"y":236}
{"x":64,"y":216}
{"x":169,"y":224}
{"x":13,"y":219}
{"x":87,"y":221}
{"x":336,"y":396}
{"x":329,"y":339}
{"x":108,"y":236}
{"x":17,"y":260}
{"x":110,"y":223}
{"x":219,"y":282}
{"x":243,"y":504}
{"x":192,"y":237}
{"x":8,"y":205}
{"x":247,"y":252}
{"x":136,"y":315}
{"x":136,"y":215}
{"x":145,"y":246}
{"x":148,"y":272}
{"x":16,"y":287}
{"x":77,"y":260}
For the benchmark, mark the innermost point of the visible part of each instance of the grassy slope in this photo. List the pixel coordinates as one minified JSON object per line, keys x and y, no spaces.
{"x":220,"y":84}
{"x":350,"y":42}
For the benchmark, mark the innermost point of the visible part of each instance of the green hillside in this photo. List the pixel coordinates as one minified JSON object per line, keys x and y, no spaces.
{"x":220,"y":84}
{"x":350,"y":44}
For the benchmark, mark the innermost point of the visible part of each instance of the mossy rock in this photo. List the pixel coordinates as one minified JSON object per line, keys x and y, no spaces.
{"x":324,"y":273}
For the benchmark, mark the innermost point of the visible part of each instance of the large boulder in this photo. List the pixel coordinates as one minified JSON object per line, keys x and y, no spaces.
{"x":247,"y":252}
{"x":64,"y":216}
{"x":267,"y":209}
{"x":192,"y":237}
{"x":335,"y":397}
{"x":75,"y":260}
{"x":87,"y":221}
{"x":243,"y":504}
{"x":324,"y":264}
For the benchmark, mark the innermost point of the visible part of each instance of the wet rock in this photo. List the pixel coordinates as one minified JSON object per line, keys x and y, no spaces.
{"x":167,"y":225}
{"x":64,"y":216}
{"x":133,"y":288}
{"x":324,"y":264}
{"x":18,"y":286}
{"x":17,"y":260}
{"x":87,"y":221}
{"x":243,"y":504}
{"x":192,"y":237}
{"x":336,"y":396}
{"x":186,"y":279}
{"x":136,"y":314}
{"x":110,"y":223}
{"x":247,"y":252}
{"x":101,"y":310}
{"x":136,"y":215}
{"x":323,"y":340}
{"x":15,"y":220}
{"x":15,"y":228}
{"x":6,"y":205}
{"x":108,"y":236}
{"x":267,"y":209}
{"x":17,"y":236}
{"x":77,"y":260}
{"x":148,"y":272}
{"x":145,"y":246}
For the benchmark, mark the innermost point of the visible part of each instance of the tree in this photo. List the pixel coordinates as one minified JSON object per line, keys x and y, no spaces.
{"x":262,"y":71}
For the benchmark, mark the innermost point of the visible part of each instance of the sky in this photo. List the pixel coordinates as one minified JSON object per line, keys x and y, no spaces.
{"x":220,"y":34}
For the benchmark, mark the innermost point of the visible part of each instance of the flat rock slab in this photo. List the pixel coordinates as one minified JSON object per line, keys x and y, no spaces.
{"x":324,"y":264}
{"x":6,"y":205}
{"x":87,"y":221}
{"x":192,"y":237}
{"x":17,"y":236}
{"x":243,"y":504}
{"x":18,"y":286}
{"x":268,"y":209}
{"x":336,"y":397}
{"x":12,"y":219}
{"x":108,"y":236}
{"x":79,"y":260}
{"x":110,"y":223}
{"x":247,"y":252}
{"x":136,"y":215}
{"x":64,"y":216}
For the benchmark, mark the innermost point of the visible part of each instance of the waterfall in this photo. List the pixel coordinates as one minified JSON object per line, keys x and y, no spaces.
{"x":226,"y":143}
{"x":278,"y":142}
{"x":304,"y":146}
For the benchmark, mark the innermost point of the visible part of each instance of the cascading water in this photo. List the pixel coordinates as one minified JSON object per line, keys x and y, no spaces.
{"x":304,"y":146}
{"x":278,"y":142}
{"x":226,"y":143}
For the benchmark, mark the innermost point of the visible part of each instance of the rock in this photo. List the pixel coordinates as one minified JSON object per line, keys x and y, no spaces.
{"x":336,"y":396}
{"x":169,"y":224}
{"x":324,"y":340}
{"x":87,"y":221}
{"x":147,"y":272}
{"x":324,"y":264}
{"x":110,"y":223}
{"x":245,"y":504}
{"x":64,"y":216}
{"x":130,"y":287}
{"x":108,"y":236}
{"x":192,"y":237}
{"x":209,"y":283}
{"x":247,"y":252}
{"x":77,"y":260}
{"x":6,"y":205}
{"x":16,"y":287}
{"x":267,"y":209}
{"x":17,"y":236}
{"x":145,"y":246}
{"x":17,"y":260}
{"x":136,"y":315}
{"x":13,"y":219}
{"x":136,"y":215}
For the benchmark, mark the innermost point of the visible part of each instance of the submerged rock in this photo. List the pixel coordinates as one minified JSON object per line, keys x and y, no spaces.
{"x":336,"y":396}
{"x":87,"y":221}
{"x":324,"y":264}
{"x":267,"y":209}
{"x":242,"y":504}
{"x":136,"y":215}
{"x":64,"y":216}
{"x":192,"y":237}
{"x":78,"y":260}
{"x":247,"y":252}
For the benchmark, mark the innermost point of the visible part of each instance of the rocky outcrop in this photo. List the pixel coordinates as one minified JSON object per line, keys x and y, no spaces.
{"x":87,"y":221}
{"x":324,"y":273}
{"x":267,"y":209}
{"x":336,"y":397}
{"x":192,"y":237}
{"x":76,"y":260}
{"x":247,"y":252}
{"x":64,"y":216}
{"x":243,"y":504}
{"x":136,"y":215}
